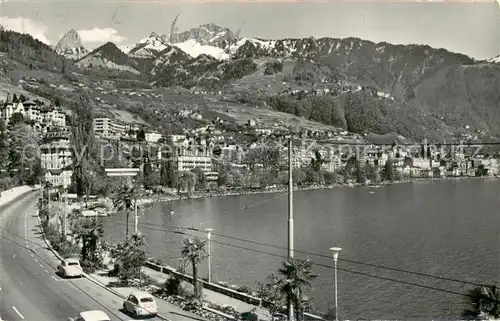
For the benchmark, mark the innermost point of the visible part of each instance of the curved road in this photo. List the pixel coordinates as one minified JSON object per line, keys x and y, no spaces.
{"x":29,"y":288}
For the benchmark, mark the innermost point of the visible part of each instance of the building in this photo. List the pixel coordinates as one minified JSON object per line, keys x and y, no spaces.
{"x":8,"y":109}
{"x":53,"y":116}
{"x":56,"y":155}
{"x":190,"y":162}
{"x":152,"y":137}
{"x":107,"y":128}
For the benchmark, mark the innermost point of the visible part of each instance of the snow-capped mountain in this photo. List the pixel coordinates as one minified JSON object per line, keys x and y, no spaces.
{"x":195,"y":49}
{"x":70,"y":46}
{"x":148,"y":47}
{"x":109,"y":56}
{"x":207,"y":34}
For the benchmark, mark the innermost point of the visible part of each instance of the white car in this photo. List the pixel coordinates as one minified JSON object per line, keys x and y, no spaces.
{"x":95,"y":315}
{"x":140,"y":304}
{"x":70,"y":268}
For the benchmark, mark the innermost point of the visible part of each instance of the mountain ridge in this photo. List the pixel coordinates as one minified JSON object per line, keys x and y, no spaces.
{"x":414,"y":90}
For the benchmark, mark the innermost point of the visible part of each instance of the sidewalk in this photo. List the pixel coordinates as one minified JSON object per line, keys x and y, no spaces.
{"x":214,"y":297}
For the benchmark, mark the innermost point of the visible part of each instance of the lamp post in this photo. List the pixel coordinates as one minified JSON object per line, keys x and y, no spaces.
{"x":126,"y":172}
{"x":209,"y":236}
{"x":336,"y":251}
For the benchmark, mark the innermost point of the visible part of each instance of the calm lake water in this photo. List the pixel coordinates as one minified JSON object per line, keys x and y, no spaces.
{"x":445,"y":228}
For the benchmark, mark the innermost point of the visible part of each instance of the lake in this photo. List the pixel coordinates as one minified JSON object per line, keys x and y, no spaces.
{"x":448,"y":228}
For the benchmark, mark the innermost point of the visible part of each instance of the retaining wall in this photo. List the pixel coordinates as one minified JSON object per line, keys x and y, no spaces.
{"x":13,"y":193}
{"x":210,"y":286}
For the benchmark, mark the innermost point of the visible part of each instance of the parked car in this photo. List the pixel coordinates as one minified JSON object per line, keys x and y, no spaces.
{"x":70,"y":268}
{"x":95,"y":315}
{"x":140,"y":304}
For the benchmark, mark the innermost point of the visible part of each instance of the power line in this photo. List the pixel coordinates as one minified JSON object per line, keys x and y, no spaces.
{"x":317,"y":264}
{"x":329,"y":257}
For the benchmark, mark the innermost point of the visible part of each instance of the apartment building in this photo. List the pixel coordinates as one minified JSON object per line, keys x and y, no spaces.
{"x":107,"y":128}
{"x":56,"y":155}
{"x":190,"y":162}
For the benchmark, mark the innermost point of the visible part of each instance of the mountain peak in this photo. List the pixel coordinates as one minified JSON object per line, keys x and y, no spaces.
{"x":207,"y":34}
{"x":70,"y":45}
{"x":70,"y":39}
{"x":148,"y":47}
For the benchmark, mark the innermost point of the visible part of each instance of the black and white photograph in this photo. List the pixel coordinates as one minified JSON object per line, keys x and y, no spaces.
{"x":249,"y":160}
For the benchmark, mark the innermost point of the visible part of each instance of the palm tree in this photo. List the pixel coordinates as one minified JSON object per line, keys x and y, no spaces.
{"x":125,"y":201}
{"x":483,"y":302}
{"x":297,"y":277}
{"x":193,"y":252}
{"x":89,"y":232}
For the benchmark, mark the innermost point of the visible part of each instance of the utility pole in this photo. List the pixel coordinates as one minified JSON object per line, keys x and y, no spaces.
{"x":65,"y":210}
{"x":290,"y":218}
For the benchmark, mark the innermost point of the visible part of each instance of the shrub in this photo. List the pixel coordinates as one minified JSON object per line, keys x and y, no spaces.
{"x":172,"y":286}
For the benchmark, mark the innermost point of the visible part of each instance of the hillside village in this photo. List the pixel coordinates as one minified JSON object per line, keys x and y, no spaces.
{"x":209,"y":150}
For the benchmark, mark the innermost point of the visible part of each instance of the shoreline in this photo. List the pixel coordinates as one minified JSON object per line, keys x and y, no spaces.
{"x":171,"y":198}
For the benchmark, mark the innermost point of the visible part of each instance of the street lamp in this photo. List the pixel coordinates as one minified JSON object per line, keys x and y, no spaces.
{"x":126,"y":172}
{"x":209,"y":236}
{"x":336,"y":251}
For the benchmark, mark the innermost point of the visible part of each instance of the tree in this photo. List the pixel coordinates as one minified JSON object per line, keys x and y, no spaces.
{"x":16,"y":118}
{"x":317,"y":161}
{"x":388,"y":172}
{"x":298,"y":176}
{"x":89,"y":232}
{"x":168,"y":174}
{"x":23,"y":151}
{"x":201,"y":179}
{"x":186,"y":182}
{"x":270,"y":293}
{"x":82,"y":139}
{"x":372,"y":173}
{"x":125,"y":202}
{"x":193,"y":252}
{"x":4,"y":146}
{"x":330,"y":178}
{"x":141,"y":135}
{"x":483,"y":303}
{"x":132,"y":256}
{"x":297,"y":276}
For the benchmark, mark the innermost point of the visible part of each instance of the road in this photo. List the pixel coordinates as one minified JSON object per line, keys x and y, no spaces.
{"x":29,"y":288}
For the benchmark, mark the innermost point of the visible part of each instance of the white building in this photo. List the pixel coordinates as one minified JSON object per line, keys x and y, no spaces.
{"x":107,"y":128}
{"x":152,"y":137}
{"x":56,"y":155}
{"x":423,"y":163}
{"x":53,"y":116}
{"x":189,"y":162}
{"x":32,"y":111}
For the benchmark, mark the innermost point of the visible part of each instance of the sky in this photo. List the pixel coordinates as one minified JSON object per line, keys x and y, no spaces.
{"x":465,"y":27}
